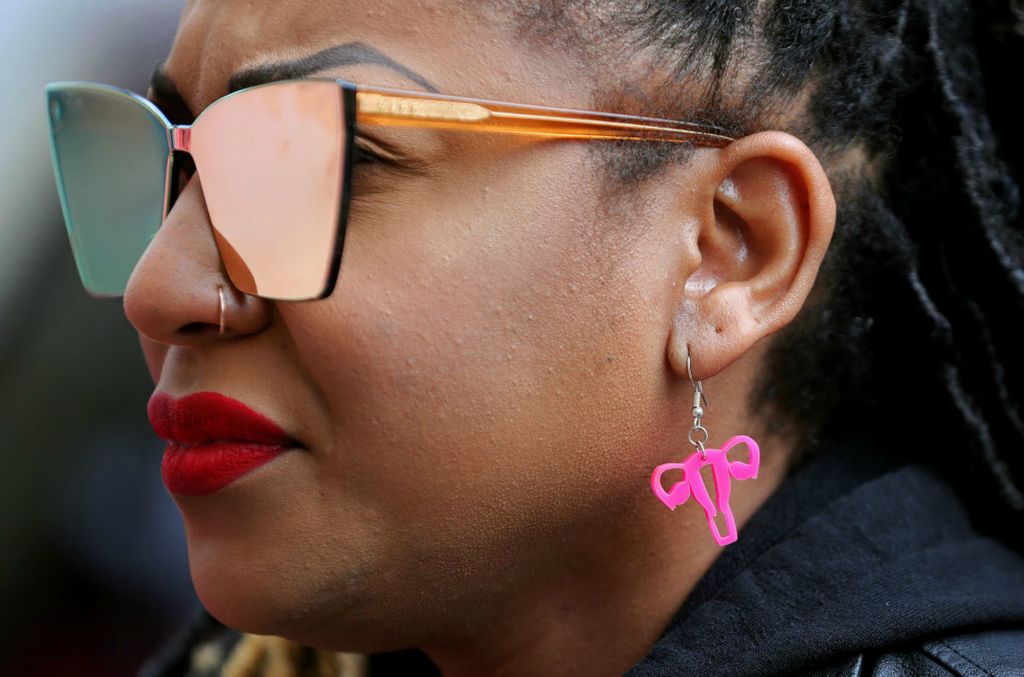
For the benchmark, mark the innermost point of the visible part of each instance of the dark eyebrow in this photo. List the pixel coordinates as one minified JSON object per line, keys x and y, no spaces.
{"x":348,"y":54}
{"x":166,"y":95}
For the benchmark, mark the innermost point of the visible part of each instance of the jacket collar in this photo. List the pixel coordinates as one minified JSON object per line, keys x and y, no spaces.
{"x":855,"y":550}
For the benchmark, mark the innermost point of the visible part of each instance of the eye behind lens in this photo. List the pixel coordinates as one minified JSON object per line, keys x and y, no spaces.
{"x":362,"y":155}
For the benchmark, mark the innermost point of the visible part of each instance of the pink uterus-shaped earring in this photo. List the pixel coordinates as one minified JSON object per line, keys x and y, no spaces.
{"x":723,"y":470}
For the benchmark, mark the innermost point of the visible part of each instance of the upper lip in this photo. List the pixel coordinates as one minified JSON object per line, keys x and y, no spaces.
{"x":208,"y":417}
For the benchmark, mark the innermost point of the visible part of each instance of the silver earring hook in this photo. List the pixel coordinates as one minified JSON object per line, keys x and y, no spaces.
{"x":697,"y":411}
{"x":696,"y":384}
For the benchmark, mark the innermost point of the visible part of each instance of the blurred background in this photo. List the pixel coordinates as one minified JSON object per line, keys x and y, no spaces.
{"x":93,"y":572}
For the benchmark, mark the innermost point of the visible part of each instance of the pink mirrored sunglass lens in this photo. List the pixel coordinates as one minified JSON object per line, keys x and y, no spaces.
{"x":271,"y":161}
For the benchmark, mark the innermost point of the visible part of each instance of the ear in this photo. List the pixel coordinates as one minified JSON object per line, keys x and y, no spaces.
{"x":763,"y":214}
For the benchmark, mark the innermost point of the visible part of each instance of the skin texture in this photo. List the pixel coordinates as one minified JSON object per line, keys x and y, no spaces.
{"x":482,"y":399}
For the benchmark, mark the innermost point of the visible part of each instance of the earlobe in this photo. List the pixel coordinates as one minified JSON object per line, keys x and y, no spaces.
{"x":766,"y":218}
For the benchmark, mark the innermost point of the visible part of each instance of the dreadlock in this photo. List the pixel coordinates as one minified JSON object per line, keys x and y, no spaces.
{"x":914,"y":328}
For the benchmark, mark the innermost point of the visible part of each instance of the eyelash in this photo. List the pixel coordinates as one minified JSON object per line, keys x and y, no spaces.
{"x":362,"y":156}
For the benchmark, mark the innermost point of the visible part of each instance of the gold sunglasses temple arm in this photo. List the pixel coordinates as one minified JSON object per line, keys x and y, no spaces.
{"x":374,"y":108}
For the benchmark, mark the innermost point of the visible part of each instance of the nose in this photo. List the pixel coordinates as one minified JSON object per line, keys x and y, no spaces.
{"x":172,"y":296}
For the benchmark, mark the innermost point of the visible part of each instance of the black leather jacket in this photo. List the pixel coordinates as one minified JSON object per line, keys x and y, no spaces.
{"x":984,"y":653}
{"x":859,"y":564}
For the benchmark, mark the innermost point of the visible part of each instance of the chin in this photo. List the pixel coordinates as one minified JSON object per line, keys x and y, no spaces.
{"x":290,"y":599}
{"x":242,"y":597}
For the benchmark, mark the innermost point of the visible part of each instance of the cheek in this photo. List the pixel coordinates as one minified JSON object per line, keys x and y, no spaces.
{"x":477,"y":365}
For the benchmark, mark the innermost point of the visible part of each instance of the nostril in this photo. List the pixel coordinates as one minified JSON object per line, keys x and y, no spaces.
{"x":193,"y":328}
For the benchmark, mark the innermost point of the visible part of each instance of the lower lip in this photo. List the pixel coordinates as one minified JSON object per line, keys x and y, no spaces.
{"x":205,"y":468}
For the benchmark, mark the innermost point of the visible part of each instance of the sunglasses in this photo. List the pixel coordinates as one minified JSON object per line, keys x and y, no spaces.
{"x":275,"y":161}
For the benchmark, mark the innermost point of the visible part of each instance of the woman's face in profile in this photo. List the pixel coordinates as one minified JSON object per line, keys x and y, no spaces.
{"x":479,"y":391}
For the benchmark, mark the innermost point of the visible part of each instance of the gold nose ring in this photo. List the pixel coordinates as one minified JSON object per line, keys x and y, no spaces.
{"x":220,"y":297}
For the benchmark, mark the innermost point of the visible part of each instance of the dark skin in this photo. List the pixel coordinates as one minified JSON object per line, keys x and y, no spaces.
{"x":483,"y":398}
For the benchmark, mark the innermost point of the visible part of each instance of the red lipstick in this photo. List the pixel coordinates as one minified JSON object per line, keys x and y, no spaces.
{"x":212,"y":440}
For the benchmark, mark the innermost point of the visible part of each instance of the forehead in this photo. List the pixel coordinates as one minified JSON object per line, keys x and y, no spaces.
{"x":457,"y":46}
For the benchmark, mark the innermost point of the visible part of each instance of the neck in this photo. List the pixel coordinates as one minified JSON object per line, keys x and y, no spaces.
{"x":600,"y":609}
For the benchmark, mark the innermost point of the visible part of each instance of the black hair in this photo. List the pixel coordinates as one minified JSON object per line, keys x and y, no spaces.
{"x":914,"y":331}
